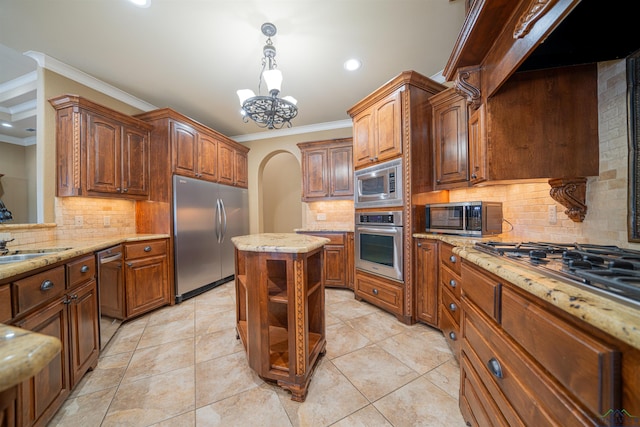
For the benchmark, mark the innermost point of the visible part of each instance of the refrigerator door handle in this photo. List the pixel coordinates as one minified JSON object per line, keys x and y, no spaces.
{"x":217,"y":220}
{"x":224,"y":215}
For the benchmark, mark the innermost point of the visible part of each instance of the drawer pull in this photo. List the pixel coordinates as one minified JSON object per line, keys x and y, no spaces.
{"x":452,"y":283}
{"x":47,"y":285}
{"x":453,"y":307}
{"x":147,"y":248}
{"x":495,"y":368}
{"x":419,"y":245}
{"x":453,"y":336}
{"x":375,"y":292}
{"x":84,"y":269}
{"x":453,"y":259}
{"x":129,"y":264}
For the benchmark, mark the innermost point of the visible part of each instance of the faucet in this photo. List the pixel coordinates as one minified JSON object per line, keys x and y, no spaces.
{"x":3,"y":246}
{"x":5,"y":214}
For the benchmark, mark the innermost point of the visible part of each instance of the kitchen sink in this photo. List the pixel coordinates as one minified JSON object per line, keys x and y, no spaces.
{"x":23,"y":255}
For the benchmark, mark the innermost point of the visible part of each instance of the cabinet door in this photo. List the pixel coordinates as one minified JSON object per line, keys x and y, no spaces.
{"x":42,"y":394}
{"x":103,"y":154}
{"x":207,"y":157}
{"x":388,"y":127}
{"x":341,"y":172}
{"x":242,"y":169}
{"x":450,"y":138}
{"x":83,"y":328}
{"x":477,"y":146}
{"x":226,"y":163}
{"x":363,"y":134}
{"x":335,"y":273}
{"x":135,"y":162}
{"x":146,"y":282}
{"x":426,"y":270}
{"x":315,"y":182}
{"x":184,"y":146}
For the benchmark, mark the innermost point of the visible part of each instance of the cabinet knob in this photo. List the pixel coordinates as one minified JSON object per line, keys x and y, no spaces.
{"x":494,"y":367}
{"x":419,"y":245}
{"x":84,"y":269}
{"x":118,"y":189}
{"x":453,"y":307}
{"x":129,"y":264}
{"x":474,"y":176}
{"x":147,"y":248}
{"x":125,"y":190}
{"x":453,"y":336}
{"x":47,"y":285}
{"x":375,"y":292}
{"x":452,"y":283}
{"x":453,"y":258}
{"x":438,"y":181}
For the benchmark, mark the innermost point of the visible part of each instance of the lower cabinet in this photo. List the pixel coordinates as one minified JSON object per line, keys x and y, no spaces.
{"x":147,"y":284}
{"x":523,"y":364}
{"x":380,"y":292}
{"x":426,"y":281}
{"x":449,"y":297}
{"x":338,"y":258}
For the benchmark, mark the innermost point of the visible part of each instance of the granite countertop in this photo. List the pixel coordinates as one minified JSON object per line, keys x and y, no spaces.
{"x":279,"y":242}
{"x":325,"y":229}
{"x":23,"y":354}
{"x":65,"y":249}
{"x":615,"y":318}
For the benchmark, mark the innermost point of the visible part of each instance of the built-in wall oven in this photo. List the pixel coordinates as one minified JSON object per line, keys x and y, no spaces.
{"x":378,"y":243}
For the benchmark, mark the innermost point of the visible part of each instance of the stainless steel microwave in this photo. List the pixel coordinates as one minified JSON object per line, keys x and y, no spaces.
{"x":379,"y":185}
{"x":464,"y":218}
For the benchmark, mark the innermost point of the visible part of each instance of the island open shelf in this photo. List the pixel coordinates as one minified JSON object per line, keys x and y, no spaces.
{"x":280,"y":308}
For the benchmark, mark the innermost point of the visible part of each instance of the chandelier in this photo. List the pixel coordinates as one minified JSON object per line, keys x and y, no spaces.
{"x":268,"y":111}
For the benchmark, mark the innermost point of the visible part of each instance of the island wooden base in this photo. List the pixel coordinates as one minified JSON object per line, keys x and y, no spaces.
{"x":280,"y":315}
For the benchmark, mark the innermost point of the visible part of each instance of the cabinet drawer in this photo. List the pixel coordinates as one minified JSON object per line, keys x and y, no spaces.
{"x":483,"y":290}
{"x":451,"y":305}
{"x":145,"y":249}
{"x":5,"y":304}
{"x":515,"y":380}
{"x":448,"y":258}
{"x":476,"y":403}
{"x":380,"y":293}
{"x":450,"y":330}
{"x":450,"y":281}
{"x":588,"y":368}
{"x":39,"y":288}
{"x":334,"y":238}
{"x":81,"y":270}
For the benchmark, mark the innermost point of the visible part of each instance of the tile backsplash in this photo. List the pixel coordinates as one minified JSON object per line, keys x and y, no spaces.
{"x":339,"y":215}
{"x":78,"y":217}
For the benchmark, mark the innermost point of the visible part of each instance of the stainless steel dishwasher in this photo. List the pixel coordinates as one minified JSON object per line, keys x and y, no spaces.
{"x":110,"y":292}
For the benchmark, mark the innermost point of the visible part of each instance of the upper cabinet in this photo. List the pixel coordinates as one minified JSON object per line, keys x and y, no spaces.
{"x":194,"y":154}
{"x":100,"y":152}
{"x":327,"y":170}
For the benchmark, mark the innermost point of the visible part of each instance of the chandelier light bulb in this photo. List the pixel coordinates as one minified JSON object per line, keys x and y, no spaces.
{"x":273,"y":78}
{"x":291,"y":99}
{"x":245,"y":94}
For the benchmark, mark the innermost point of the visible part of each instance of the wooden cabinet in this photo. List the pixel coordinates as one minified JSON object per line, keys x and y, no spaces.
{"x":338,"y":258}
{"x":147,"y":285}
{"x":280,"y":315}
{"x":100,"y":152}
{"x":386,"y":294}
{"x":377,"y":131}
{"x":450,"y":139}
{"x":111,"y":283}
{"x":5,"y":304}
{"x":426,"y":280}
{"x":61,"y":302}
{"x":9,"y":407}
{"x":232,"y":164}
{"x":523,"y":363}
{"x":449,"y":296}
{"x":327,"y":170}
{"x":194,"y":154}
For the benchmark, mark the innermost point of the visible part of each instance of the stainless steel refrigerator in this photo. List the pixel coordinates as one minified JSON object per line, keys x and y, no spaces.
{"x":206,"y":216}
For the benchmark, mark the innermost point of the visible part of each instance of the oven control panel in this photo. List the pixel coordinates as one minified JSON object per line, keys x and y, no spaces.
{"x":380,"y":218}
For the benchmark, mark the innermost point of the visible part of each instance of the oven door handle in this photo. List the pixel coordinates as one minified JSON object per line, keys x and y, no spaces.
{"x":380,"y":230}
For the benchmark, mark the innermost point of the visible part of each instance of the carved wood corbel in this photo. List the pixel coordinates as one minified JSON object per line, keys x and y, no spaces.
{"x":467,"y":84}
{"x":570,"y":193}
{"x":536,"y":9}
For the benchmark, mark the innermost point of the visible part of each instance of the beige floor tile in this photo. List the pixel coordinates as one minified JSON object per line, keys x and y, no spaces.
{"x":343,"y":339}
{"x":377,"y":325}
{"x":418,"y":353}
{"x":334,"y":295}
{"x":166,"y":332}
{"x":86,"y":410}
{"x":223,"y":377}
{"x":153,"y":399}
{"x":349,"y":309}
{"x":210,"y":321}
{"x":217,"y":344}
{"x":184,"y":420}
{"x":420,"y":403}
{"x":164,"y":315}
{"x":365,"y":417}
{"x":330,"y":397}
{"x":159,"y":359}
{"x":107,"y":374}
{"x":447,"y":377}
{"x":126,"y":339}
{"x":255,"y":407}
{"x":374,"y":371}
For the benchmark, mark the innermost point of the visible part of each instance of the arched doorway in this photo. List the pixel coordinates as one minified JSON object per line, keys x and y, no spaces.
{"x":281,"y":189}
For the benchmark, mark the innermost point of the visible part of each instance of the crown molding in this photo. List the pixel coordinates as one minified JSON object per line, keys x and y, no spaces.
{"x":24,"y":142}
{"x":318,"y":127}
{"x":81,"y":77}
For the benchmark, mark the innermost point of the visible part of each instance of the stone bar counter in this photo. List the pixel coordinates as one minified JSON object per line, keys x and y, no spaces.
{"x":280,"y":306}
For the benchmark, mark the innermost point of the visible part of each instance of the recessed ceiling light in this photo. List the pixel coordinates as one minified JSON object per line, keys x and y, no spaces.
{"x":7,"y":125}
{"x":141,"y":3}
{"x":352,"y":64}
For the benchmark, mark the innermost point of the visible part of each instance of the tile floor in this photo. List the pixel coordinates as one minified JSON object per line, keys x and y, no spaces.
{"x":182,"y":366}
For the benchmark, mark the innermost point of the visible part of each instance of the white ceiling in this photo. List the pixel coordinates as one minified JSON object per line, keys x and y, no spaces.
{"x":192,"y":55}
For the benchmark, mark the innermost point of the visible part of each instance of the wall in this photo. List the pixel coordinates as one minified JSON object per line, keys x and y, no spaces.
{"x":91,"y":212}
{"x":526,"y":205}
{"x":14,"y":185}
{"x":281,"y":188}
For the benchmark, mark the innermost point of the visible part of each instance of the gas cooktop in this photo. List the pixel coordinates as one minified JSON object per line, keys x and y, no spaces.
{"x":608,"y":270}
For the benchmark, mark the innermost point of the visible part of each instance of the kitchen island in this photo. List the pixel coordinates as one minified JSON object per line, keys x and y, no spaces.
{"x":280,"y":306}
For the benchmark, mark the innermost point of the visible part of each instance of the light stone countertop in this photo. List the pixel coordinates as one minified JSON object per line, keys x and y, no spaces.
{"x":325,"y":229}
{"x":615,"y":318}
{"x":279,"y":242}
{"x":71,"y":248}
{"x":23,"y":354}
